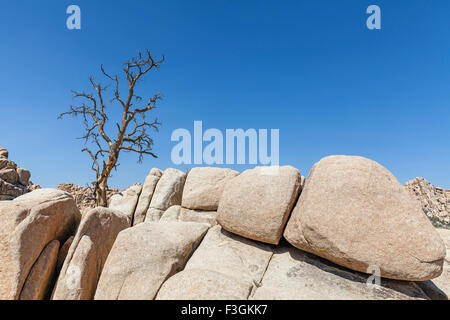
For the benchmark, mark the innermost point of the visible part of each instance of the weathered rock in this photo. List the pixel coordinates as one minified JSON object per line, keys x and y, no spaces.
{"x":296,"y":275}
{"x":3,"y":153}
{"x":171,"y":214}
{"x":23,"y":176}
{"x":204,"y":187}
{"x":126,"y":201}
{"x":178,"y":213}
{"x":257,"y":203}
{"x":9,"y":175}
{"x":144,"y":256}
{"x":153,"y":215}
{"x":37,"y":284}
{"x":440,"y":286}
{"x":209,"y":217}
{"x":146,"y":195}
{"x":355,"y":213}
{"x":9,"y":191}
{"x":169,"y":189}
{"x":229,"y":263}
{"x":88,"y":252}
{"x":62,"y":254}
{"x":431,"y":290}
{"x":202,"y":284}
{"x":43,"y":215}
{"x":435,"y":201}
{"x":6,"y":164}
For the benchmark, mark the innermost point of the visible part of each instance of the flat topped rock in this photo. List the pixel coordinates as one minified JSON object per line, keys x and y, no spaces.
{"x":204,"y":187}
{"x":256,"y":204}
{"x":354,"y":212}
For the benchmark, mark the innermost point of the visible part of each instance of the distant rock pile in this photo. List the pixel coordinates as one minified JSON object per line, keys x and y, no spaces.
{"x":84,"y":197}
{"x":14,"y":180}
{"x":435,"y":201}
{"x":215,"y":233}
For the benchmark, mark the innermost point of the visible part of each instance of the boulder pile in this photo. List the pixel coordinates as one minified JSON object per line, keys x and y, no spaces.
{"x":83,"y":196}
{"x":435,"y":201}
{"x":14,"y":180}
{"x":349,"y":230}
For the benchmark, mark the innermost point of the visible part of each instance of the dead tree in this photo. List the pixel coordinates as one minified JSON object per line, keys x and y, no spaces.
{"x":131,"y":131}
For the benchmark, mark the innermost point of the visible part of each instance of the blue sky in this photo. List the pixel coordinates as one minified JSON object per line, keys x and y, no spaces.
{"x":309,"y":68}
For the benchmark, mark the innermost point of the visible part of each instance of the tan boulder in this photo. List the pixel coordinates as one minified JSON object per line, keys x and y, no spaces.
{"x":144,"y":256}
{"x":153,"y":215}
{"x":355,"y":213}
{"x":169,"y":189}
{"x":43,"y":215}
{"x":88,"y":252}
{"x":146,"y":195}
{"x":172,"y":214}
{"x":296,"y":275}
{"x":23,"y":176}
{"x":126,"y":201}
{"x":257,"y":203}
{"x":232,"y":265}
{"x":209,"y":217}
{"x":37,"y":284}
{"x":204,"y":187}
{"x":9,"y":175}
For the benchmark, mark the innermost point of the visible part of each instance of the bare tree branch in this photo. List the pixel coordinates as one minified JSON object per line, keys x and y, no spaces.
{"x":132,"y":129}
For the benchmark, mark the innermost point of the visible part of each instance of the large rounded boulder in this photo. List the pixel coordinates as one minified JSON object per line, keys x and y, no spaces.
{"x":355,"y":213}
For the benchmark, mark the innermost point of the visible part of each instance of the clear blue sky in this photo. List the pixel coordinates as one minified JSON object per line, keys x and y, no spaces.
{"x":310,"y":68}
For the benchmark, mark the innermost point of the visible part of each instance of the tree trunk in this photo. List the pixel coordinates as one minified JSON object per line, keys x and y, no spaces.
{"x":100,"y":194}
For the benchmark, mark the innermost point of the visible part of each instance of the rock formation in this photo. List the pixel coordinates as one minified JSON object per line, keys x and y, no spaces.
{"x":435,"y":201}
{"x":215,"y":233}
{"x":28,"y":224}
{"x":14,"y":180}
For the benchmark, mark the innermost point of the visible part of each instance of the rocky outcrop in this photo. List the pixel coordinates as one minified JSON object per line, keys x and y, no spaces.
{"x":14,"y":180}
{"x":88,"y":252}
{"x":257,"y":203}
{"x":218,"y":236}
{"x":27,"y":225}
{"x":144,"y":256}
{"x":356,"y":214}
{"x":435,"y":201}
{"x":84,"y":196}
